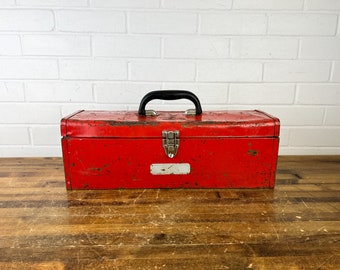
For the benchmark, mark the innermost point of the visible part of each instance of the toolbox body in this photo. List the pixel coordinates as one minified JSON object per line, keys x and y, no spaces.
{"x":215,"y":149}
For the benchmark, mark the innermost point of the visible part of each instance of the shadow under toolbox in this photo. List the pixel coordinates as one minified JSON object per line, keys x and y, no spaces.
{"x":213,"y":149}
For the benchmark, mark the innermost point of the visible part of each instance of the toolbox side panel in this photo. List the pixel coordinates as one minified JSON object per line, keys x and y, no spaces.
{"x":64,"y":145}
{"x":104,"y":163}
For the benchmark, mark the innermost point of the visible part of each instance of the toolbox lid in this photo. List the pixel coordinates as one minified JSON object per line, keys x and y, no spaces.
{"x":128,"y":124}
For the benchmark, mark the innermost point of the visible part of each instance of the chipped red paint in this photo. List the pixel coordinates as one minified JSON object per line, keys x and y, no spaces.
{"x":225,"y":149}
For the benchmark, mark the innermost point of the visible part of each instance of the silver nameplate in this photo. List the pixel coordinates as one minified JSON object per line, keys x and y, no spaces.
{"x":169,"y":168}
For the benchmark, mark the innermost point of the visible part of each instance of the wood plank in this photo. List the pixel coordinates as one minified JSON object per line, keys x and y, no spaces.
{"x":10,"y":197}
{"x":214,"y":261}
{"x":294,"y":226}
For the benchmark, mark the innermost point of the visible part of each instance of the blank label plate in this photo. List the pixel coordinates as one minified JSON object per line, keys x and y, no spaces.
{"x":169,"y":168}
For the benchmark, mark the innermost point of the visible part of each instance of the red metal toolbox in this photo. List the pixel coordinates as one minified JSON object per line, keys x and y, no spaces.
{"x":145,"y":149}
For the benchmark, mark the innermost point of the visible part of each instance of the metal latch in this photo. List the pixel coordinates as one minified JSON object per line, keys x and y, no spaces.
{"x":170,"y":142}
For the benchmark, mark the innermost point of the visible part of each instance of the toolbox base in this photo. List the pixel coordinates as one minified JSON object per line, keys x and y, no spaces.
{"x":107,"y":163}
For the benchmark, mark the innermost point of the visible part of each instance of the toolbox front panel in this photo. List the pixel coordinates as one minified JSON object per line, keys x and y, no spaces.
{"x":106,"y":163}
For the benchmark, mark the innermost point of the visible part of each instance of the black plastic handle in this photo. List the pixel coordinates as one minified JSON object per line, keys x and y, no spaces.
{"x":169,"y":95}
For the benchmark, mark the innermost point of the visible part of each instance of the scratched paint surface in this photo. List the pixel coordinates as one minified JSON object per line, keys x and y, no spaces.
{"x":121,"y":163}
{"x":209,"y":124}
{"x":294,"y":226}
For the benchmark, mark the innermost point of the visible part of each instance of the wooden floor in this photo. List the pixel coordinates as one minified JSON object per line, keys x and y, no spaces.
{"x":294,"y":226}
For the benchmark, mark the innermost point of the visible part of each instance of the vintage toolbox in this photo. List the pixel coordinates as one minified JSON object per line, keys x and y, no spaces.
{"x":172,"y":149}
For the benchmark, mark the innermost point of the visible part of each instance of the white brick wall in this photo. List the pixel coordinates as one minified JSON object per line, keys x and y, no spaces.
{"x":325,"y":48}
{"x":162,"y":70}
{"x":58,"y":92}
{"x":125,"y":3}
{"x":229,"y":71}
{"x":26,"y":20}
{"x":336,"y":72}
{"x":264,"y":48}
{"x":302,"y":24}
{"x":126,"y":46}
{"x":323,"y":4}
{"x":21,"y":68}
{"x":93,"y":69}
{"x":58,"y":56}
{"x":196,"y":47}
{"x":262,"y":93}
{"x":90,"y":21}
{"x":162,"y":22}
{"x":268,"y":4}
{"x":197,"y":4}
{"x":297,"y":71}
{"x":10,"y":45}
{"x":72,"y":45}
{"x":12,"y":91}
{"x":229,"y":23}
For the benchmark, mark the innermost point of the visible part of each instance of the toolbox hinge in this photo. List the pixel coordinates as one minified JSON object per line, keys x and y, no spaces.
{"x":170,"y":142}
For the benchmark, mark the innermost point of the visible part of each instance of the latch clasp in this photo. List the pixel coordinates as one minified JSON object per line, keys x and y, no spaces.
{"x":170,"y":142}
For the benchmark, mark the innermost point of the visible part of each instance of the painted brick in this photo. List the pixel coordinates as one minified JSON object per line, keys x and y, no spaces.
{"x":293,"y":71}
{"x":208,"y":93}
{"x":261,"y":93}
{"x":320,"y":48}
{"x":98,"y":69}
{"x":90,"y":21}
{"x":318,"y":94}
{"x":332,"y":116}
{"x":296,"y":116}
{"x":26,"y":20}
{"x":196,"y":47}
{"x":162,"y":22}
{"x":233,"y":23}
{"x":268,"y":4}
{"x":5,"y":3}
{"x":323,"y":4}
{"x":67,"y":109}
{"x":58,"y":91}
{"x":162,"y":70}
{"x":336,"y":72}
{"x":30,"y":151}
{"x":70,"y":108}
{"x":229,"y":71}
{"x":194,"y":4}
{"x":10,"y":45}
{"x":180,"y":107}
{"x":14,"y":135}
{"x":11,"y":91}
{"x":59,"y":3}
{"x":284,"y":136}
{"x":122,"y":93}
{"x":30,"y":113}
{"x":122,"y":46}
{"x":222,"y":55}
{"x":302,"y":24}
{"x":212,"y":107}
{"x":28,"y":69}
{"x":125,"y":3}
{"x":46,"y":135}
{"x":76,"y":45}
{"x":311,"y":137}
{"x":265,"y":48}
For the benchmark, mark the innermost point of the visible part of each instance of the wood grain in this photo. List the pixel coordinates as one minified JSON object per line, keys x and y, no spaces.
{"x":294,"y":226}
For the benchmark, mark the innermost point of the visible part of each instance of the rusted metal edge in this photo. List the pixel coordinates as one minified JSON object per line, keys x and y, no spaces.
{"x":64,"y":120}
{"x":68,"y":180}
{"x":276,"y":122}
